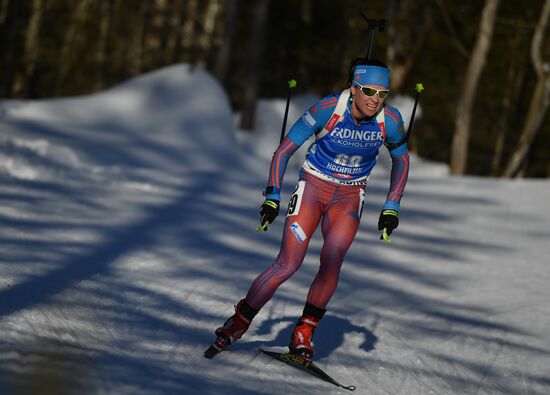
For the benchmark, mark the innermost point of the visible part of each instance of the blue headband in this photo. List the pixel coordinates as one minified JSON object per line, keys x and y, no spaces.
{"x":371,"y":75}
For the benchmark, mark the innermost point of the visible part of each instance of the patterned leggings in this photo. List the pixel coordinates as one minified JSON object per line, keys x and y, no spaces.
{"x":340,"y":208}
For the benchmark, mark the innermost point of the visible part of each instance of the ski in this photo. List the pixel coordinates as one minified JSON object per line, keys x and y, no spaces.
{"x":217,"y":346}
{"x":305,"y":365}
{"x":211,"y":352}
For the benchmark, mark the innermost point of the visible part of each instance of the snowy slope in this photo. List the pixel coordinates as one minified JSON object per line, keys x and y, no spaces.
{"x":127,"y":233}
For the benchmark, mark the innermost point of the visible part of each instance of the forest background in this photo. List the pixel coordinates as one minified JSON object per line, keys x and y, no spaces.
{"x":485,"y":64}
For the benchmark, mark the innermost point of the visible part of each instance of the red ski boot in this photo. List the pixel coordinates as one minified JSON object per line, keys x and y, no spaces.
{"x":233,"y":328}
{"x":301,"y":340}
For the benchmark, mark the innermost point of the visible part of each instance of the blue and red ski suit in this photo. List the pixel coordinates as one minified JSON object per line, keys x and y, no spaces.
{"x":330,"y":191}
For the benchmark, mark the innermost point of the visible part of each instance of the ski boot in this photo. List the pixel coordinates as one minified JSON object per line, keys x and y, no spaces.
{"x":233,"y":328}
{"x":301,"y":339}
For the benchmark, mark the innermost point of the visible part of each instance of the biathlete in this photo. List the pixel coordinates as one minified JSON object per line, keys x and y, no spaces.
{"x":350,"y":128}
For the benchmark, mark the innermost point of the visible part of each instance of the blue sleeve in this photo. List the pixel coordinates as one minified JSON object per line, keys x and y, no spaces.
{"x":313,"y":120}
{"x":278,"y":167}
{"x":398,"y":180}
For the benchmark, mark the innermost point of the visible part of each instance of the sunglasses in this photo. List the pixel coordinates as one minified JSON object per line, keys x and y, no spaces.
{"x":370,"y":92}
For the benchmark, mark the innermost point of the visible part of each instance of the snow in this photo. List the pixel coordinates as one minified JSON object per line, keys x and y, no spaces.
{"x":127,"y":234}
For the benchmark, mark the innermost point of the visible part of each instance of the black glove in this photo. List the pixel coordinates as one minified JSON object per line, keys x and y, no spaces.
{"x":268,"y":212}
{"x":388,"y":220}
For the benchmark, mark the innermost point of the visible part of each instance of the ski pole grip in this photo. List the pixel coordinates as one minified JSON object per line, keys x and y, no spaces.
{"x":384,"y":236}
{"x":262,"y":227}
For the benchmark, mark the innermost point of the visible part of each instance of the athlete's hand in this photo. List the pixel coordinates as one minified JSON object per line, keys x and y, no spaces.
{"x":268,"y":212}
{"x":388,"y":221}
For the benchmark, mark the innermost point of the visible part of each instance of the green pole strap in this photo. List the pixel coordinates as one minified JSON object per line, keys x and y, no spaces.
{"x":385,"y":236}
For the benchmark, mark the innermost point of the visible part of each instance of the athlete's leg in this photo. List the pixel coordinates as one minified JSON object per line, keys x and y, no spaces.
{"x":305,"y":210}
{"x":340,"y":224}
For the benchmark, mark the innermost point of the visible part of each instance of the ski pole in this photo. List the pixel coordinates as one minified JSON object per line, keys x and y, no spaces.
{"x":291,"y":85}
{"x":418,"y":88}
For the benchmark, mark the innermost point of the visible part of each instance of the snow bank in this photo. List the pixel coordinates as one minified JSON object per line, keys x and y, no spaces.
{"x":174,"y":117}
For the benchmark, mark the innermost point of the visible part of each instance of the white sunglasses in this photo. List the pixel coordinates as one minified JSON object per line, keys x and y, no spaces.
{"x":370,"y":92}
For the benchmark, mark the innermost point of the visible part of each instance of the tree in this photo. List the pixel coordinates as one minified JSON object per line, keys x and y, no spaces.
{"x":515,"y":75}
{"x":189,"y":28}
{"x":459,"y":149}
{"x":222,"y":60}
{"x":67,"y":58}
{"x":253,"y":76}
{"x":105,"y":27}
{"x":31,"y":49}
{"x":9,"y":45}
{"x":208,"y":23}
{"x":540,"y":99}
{"x":403,"y":49}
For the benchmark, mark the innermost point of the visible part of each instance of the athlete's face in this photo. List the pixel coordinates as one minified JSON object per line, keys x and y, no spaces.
{"x":364,"y":106}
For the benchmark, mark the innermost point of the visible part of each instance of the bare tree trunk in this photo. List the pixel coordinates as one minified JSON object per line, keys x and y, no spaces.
{"x":499,"y":145}
{"x":164,"y":28}
{"x":177,"y":52}
{"x":188,"y":35}
{"x":394,"y":39}
{"x":514,"y":80}
{"x":455,"y":40}
{"x":140,"y":39}
{"x":3,"y":11}
{"x":104,"y":33}
{"x":206,"y":38}
{"x":150,"y":39}
{"x":251,"y":87}
{"x":224,"y":54}
{"x":539,"y":101}
{"x":8,"y":33}
{"x":170,"y":52}
{"x":23,"y":79}
{"x":159,"y":23}
{"x":459,"y":149}
{"x":400,"y":69}
{"x":65,"y":62}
